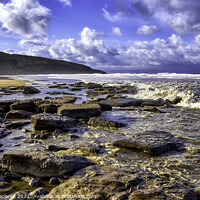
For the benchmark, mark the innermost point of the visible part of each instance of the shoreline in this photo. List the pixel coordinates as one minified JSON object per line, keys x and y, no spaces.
{"x":5,"y":83}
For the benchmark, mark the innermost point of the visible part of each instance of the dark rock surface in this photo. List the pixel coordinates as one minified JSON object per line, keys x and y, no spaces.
{"x":152,"y":142}
{"x":15,"y":124}
{"x":30,"y":90}
{"x":80,"y":110}
{"x":42,"y":164}
{"x":18,"y":114}
{"x":115,"y":183}
{"x":103,"y":123}
{"x":5,"y":104}
{"x":125,"y":102}
{"x":51,"y":122}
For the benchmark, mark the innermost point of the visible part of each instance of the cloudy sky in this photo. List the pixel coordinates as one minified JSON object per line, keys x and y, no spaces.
{"x":112,"y":35}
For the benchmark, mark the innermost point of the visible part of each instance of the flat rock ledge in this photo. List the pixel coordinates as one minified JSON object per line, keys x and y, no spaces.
{"x":152,"y":142}
{"x":79,"y":111}
{"x":43,"y":164}
{"x":120,"y":183}
{"x":51,"y":122}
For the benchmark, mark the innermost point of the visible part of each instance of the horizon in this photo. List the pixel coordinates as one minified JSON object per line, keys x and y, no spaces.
{"x":115,"y":36}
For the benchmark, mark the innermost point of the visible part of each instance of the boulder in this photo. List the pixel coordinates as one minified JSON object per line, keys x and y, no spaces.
{"x":5,"y":104}
{"x":151,"y":102}
{"x":104,"y":106}
{"x":29,"y":105}
{"x":65,"y":99}
{"x":42,"y":164}
{"x":90,"y":93}
{"x":80,"y":110}
{"x":123,"y":102}
{"x":151,"y":109}
{"x":151,"y":142}
{"x":51,"y":122}
{"x":18,"y":114}
{"x":30,"y":90}
{"x":103,"y":123}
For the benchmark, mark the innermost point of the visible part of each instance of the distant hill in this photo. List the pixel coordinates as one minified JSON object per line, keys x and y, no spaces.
{"x":13,"y":64}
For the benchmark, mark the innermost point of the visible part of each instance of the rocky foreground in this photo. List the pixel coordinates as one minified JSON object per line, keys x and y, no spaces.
{"x":60,"y":163}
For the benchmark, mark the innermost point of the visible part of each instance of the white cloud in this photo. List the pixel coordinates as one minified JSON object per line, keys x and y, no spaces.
{"x":66,"y":2}
{"x":112,"y":17}
{"x":24,"y":17}
{"x":116,"y":31}
{"x":92,"y":50}
{"x":146,"y":30}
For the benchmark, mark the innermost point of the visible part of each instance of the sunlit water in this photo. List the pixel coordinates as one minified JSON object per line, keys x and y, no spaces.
{"x":182,"y":120}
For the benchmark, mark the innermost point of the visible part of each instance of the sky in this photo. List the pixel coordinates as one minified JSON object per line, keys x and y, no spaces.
{"x":110,"y":35}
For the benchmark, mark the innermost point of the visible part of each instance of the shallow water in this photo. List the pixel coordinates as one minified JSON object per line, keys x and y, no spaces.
{"x":182,"y":121}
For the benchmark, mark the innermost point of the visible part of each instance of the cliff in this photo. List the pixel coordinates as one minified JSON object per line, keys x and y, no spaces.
{"x":20,"y":64}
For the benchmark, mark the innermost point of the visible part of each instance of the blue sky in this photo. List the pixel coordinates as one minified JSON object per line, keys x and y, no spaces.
{"x":112,"y":35}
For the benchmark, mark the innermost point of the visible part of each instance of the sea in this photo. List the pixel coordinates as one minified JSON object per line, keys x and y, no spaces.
{"x":181,"y":120}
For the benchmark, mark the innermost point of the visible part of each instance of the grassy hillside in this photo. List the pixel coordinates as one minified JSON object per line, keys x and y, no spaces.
{"x":20,"y":64}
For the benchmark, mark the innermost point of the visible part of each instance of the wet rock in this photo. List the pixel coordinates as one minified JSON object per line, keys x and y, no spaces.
{"x":5,"y":105}
{"x":92,"y":85}
{"x":27,"y":105}
{"x":124,"y":102}
{"x":53,"y":181}
{"x":90,"y":93}
{"x":18,"y":114}
{"x":176,"y":100}
{"x":151,"y":109}
{"x":51,"y":122}
{"x":5,"y":188}
{"x":34,"y":182}
{"x":65,"y":99}
{"x":56,"y":148}
{"x":42,"y":164}
{"x":152,"y":142}
{"x":75,"y":89}
{"x":30,"y":90}
{"x":49,"y":108}
{"x":151,"y":102}
{"x":54,"y":93}
{"x":38,"y":193}
{"x":150,"y":194}
{"x":10,"y":175}
{"x":104,"y":106}
{"x":20,"y":195}
{"x":80,"y":110}
{"x":15,"y":124}
{"x":98,"y":182}
{"x":103,"y":123}
{"x":197,"y":190}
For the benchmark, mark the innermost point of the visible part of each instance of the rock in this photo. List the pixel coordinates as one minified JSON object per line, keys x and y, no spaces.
{"x":18,"y":114}
{"x":42,"y":164}
{"x":51,"y":122}
{"x":104,"y":106}
{"x":103,"y":123}
{"x":80,"y":110}
{"x":34,"y":182}
{"x":15,"y":124}
{"x":30,"y":90}
{"x":197,"y":190}
{"x":92,"y":85}
{"x":10,"y":175}
{"x":53,"y":181}
{"x":176,"y":100}
{"x":49,"y":108}
{"x":152,"y":142}
{"x":123,"y":102}
{"x":20,"y":195}
{"x":40,"y":192}
{"x":75,"y":89}
{"x":5,"y":104}
{"x":5,"y":188}
{"x":151,"y":109}
{"x":56,"y":148}
{"x":54,"y":93}
{"x":90,"y":93}
{"x":97,"y":182}
{"x":65,"y":99}
{"x":27,"y":105}
{"x":151,"y":102}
